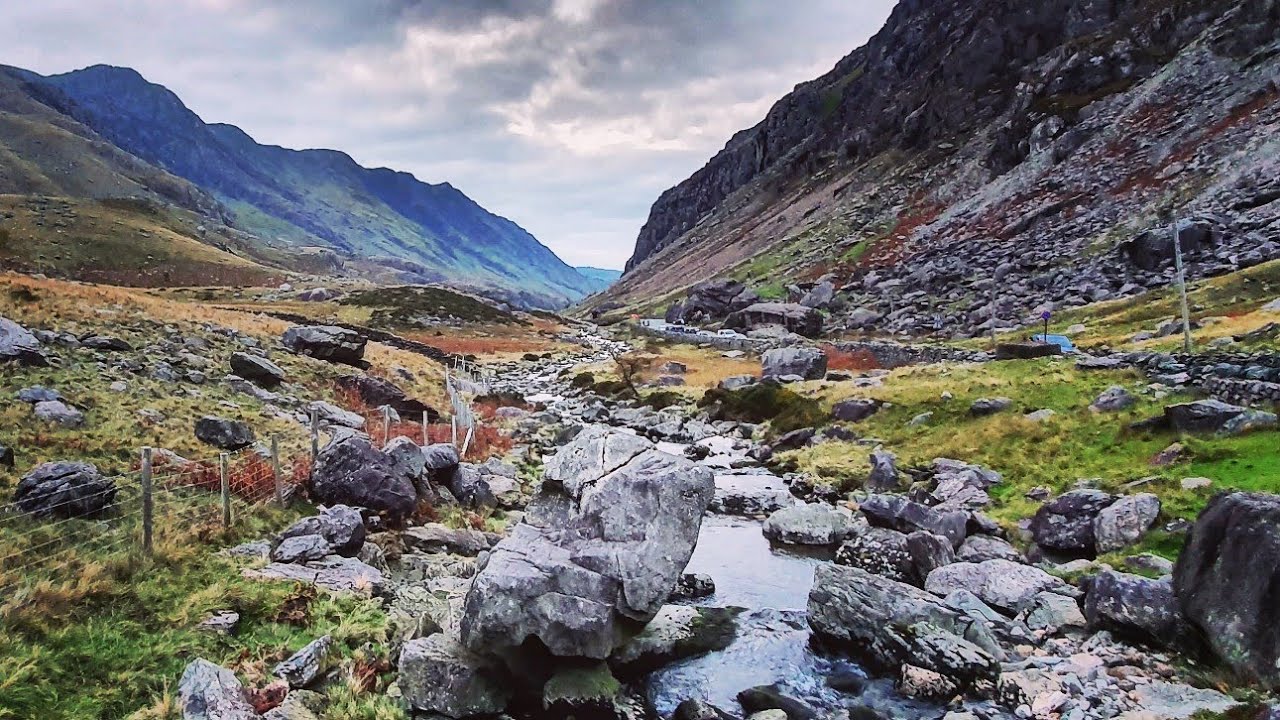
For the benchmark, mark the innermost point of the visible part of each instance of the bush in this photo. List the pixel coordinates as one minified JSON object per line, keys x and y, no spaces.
{"x":660,"y":399}
{"x":583,"y":380}
{"x":784,"y":410}
{"x":611,"y":388}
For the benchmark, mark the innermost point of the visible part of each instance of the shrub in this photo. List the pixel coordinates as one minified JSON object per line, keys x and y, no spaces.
{"x":660,"y":399}
{"x":859,"y":360}
{"x":783,"y":409}
{"x":583,"y":380}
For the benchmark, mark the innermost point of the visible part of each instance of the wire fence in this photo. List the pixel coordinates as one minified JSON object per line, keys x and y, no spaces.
{"x":165,"y":497}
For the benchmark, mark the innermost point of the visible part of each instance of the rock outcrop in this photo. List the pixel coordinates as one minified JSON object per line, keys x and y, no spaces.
{"x":351,"y":471}
{"x":326,"y":342}
{"x":66,"y":490}
{"x":601,"y":547}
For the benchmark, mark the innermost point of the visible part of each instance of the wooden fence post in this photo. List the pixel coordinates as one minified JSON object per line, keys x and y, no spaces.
{"x":315,"y":435}
{"x":275,"y":469}
{"x":386,"y":425}
{"x":225,"y":472}
{"x":147,"y":508}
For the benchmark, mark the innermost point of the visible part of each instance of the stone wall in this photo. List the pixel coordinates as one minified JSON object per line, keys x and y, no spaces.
{"x":892,"y":355}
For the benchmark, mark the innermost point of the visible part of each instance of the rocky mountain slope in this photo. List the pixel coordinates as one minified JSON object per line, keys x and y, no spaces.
{"x":992,"y":158}
{"x":106,"y":132}
{"x":600,"y":278}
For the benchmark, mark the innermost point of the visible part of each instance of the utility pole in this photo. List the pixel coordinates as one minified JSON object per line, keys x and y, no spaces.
{"x":1182,"y":288}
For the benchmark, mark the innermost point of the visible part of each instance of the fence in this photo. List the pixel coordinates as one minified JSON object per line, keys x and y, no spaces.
{"x":164,"y":498}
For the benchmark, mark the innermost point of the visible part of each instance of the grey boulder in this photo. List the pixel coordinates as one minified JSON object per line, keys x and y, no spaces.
{"x":1134,"y":606}
{"x":59,"y":413}
{"x":341,"y":526}
{"x":223,"y":433}
{"x":898,"y":513}
{"x":601,"y":547}
{"x":326,"y":342}
{"x":811,"y":524}
{"x":351,"y":471}
{"x":256,"y":369}
{"x":18,"y":345}
{"x":66,"y":490}
{"x":210,"y":692}
{"x":1124,"y":522}
{"x":439,"y":675}
{"x":1002,"y":584}
{"x":306,"y":666}
{"x":808,"y":363}
{"x":1065,"y":523}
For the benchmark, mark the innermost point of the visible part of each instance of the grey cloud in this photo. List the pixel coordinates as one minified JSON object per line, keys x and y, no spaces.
{"x":568,"y":116}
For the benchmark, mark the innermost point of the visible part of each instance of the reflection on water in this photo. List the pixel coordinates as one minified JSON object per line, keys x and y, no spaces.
{"x":748,"y":572}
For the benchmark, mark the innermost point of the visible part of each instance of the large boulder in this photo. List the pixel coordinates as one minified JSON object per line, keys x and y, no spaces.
{"x":1066,"y":523}
{"x":1134,"y":606}
{"x":1201,"y":415}
{"x":884,"y":475}
{"x":676,"y":632}
{"x":889,"y":623}
{"x":793,"y":316}
{"x":600,"y":549}
{"x":256,"y":369}
{"x":223,"y":433}
{"x":341,"y":526}
{"x":440,"y":676}
{"x":211,"y":692}
{"x":1124,"y":522}
{"x":351,"y":471}
{"x":891,"y":554}
{"x":811,"y":524}
{"x":1153,"y":248}
{"x":326,"y":342}
{"x":376,"y":392}
{"x":1002,"y":584}
{"x":854,"y":409}
{"x":1225,"y":581}
{"x":808,"y":363}
{"x":65,"y":489}
{"x":898,"y":513}
{"x":18,"y":345}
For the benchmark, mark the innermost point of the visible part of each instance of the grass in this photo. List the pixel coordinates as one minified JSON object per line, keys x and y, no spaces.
{"x":408,"y":306}
{"x":1074,"y":444}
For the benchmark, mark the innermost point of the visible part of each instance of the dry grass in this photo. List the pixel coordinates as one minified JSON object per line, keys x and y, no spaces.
{"x":706,"y":366}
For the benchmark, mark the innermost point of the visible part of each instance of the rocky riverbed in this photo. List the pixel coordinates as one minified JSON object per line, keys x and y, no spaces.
{"x":658,"y":567}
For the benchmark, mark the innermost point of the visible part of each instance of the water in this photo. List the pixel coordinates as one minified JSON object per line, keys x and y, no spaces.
{"x":772,"y":644}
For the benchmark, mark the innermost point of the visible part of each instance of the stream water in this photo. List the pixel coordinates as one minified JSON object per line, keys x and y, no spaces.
{"x":772,"y":644}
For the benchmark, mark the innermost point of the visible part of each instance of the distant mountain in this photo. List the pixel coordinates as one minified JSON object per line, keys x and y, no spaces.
{"x":418,"y":231}
{"x":601,"y":278}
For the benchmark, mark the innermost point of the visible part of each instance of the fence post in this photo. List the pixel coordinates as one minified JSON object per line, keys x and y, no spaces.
{"x":426,"y":437}
{"x":147,"y":507}
{"x":315,"y":435}
{"x":386,"y":425}
{"x":275,"y":469}
{"x":225,"y":474}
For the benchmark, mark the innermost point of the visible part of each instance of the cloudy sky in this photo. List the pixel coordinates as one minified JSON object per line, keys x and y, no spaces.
{"x":567,"y":116}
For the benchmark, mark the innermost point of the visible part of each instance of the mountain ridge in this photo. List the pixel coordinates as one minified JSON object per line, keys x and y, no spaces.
{"x":422,"y":232}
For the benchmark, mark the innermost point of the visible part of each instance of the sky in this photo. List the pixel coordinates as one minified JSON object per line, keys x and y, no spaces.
{"x":568,"y":116}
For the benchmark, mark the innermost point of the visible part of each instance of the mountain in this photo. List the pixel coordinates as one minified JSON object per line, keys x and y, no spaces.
{"x":600,"y":278}
{"x":289,"y":199}
{"x":991,"y":157}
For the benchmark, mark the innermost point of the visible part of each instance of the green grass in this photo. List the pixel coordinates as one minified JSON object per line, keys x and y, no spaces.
{"x":1074,"y":444}
{"x":396,"y":307}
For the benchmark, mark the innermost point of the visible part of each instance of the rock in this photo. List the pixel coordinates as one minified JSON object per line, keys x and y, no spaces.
{"x":980,"y":548}
{"x":1124,"y":522}
{"x":472,"y":488}
{"x":105,"y":343}
{"x":1113,"y":399}
{"x":1026,"y":350}
{"x":793,"y":440}
{"x":257,"y":369}
{"x":300,"y":548}
{"x":65,"y":490}
{"x":808,"y":363}
{"x":434,"y":537}
{"x":884,"y":472}
{"x":18,"y":345}
{"x":675,"y":633}
{"x":672,"y":367}
{"x":1020,"y":688}
{"x":333,"y":416}
{"x":693,"y":709}
{"x":820,"y":296}
{"x":351,"y":471}
{"x":737,"y":382}
{"x":307,"y":665}
{"x":889,"y":623}
{"x":768,"y":715}
{"x":326,"y":342}
{"x":6,"y":457}
{"x":1225,"y":581}
{"x":319,"y":294}
{"x":1201,"y":415}
{"x":693,"y":586}
{"x":602,"y":544}
{"x":375,"y":392}
{"x":794,"y":317}
{"x":221,"y":623}
{"x":750,"y":493}
{"x":881,"y":551}
{"x":1174,"y":453}
{"x":334,"y":573}
{"x":56,"y":411}
{"x":298,"y":705}
{"x":854,"y":410}
{"x":440,"y":462}
{"x":209,"y":692}
{"x":1052,"y":612}
{"x":897,"y":513}
{"x":928,"y":553}
{"x":37,"y":394}
{"x":1249,"y":421}
{"x":1065,"y":524}
{"x":1135,"y":607}
{"x":1161,"y":700}
{"x":810,"y":524}
{"x":341,"y":526}
{"x":770,"y":697}
{"x":1002,"y":584}
{"x":1040,"y":415}
{"x":439,"y":675}
{"x":1195,"y":483}
{"x":989,"y":406}
{"x":916,"y":682}
{"x":223,"y":433}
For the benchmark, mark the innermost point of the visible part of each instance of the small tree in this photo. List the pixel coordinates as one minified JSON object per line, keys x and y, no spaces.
{"x":631,"y":369}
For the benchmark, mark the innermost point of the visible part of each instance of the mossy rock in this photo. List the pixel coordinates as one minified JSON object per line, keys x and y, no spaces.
{"x":661,"y":399}
{"x":581,"y":688}
{"x":783,"y":409}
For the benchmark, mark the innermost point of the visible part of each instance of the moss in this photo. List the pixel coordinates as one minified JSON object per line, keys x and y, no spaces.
{"x":588,"y":684}
{"x":402,"y":306}
{"x":583,"y":380}
{"x":783,"y":409}
{"x":660,"y":399}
